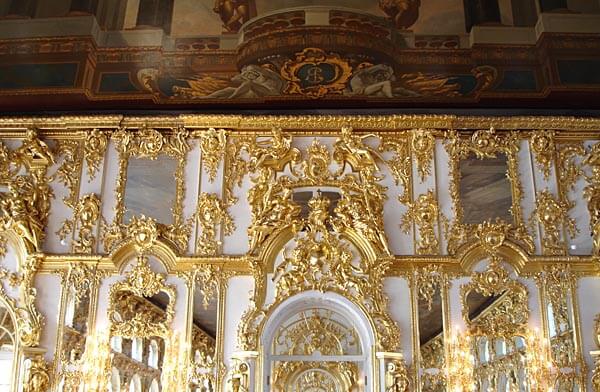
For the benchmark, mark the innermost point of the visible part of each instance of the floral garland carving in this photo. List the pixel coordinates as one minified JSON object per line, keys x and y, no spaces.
{"x":211,"y":212}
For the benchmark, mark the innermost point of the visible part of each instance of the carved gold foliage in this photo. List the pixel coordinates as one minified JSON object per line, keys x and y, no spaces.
{"x":424,"y":212}
{"x":317,"y":376}
{"x":400,"y":164}
{"x":239,"y":378}
{"x":592,"y":194}
{"x":212,"y":144}
{"x":596,"y":376}
{"x":141,"y":282}
{"x":429,"y":280}
{"x":544,"y":149}
{"x":508,"y":315}
{"x":568,"y":169}
{"x":94,"y":149}
{"x":209,"y":280}
{"x":29,"y":319}
{"x":396,"y":377}
{"x":321,"y":261}
{"x":485,"y":144}
{"x":316,"y":167}
{"x":69,"y":172}
{"x":460,"y":370}
{"x":553,"y":215}
{"x":423,"y":145}
{"x":212,"y":212}
{"x":38,"y":375}
{"x":85,"y":216}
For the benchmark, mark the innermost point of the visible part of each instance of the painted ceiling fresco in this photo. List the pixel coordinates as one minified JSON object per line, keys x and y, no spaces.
{"x":280,"y":53}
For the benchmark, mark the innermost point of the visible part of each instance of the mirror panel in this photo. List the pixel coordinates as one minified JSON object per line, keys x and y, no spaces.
{"x":7,"y":347}
{"x":485,"y":189}
{"x":204,"y":369}
{"x":151,"y":188}
{"x":141,"y":310}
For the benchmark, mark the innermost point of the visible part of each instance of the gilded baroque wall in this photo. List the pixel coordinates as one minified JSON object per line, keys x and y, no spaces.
{"x":214,"y":224}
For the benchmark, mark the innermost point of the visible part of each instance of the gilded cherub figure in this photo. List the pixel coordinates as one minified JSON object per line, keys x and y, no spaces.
{"x":20,"y":212}
{"x":396,"y":379}
{"x":39,"y":379}
{"x":351,"y":149}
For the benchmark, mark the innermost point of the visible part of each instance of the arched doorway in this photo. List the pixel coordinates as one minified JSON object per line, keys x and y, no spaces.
{"x":317,"y":342}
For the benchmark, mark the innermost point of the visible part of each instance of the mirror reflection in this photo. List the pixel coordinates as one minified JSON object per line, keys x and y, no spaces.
{"x":499,"y":355}
{"x":431,"y":341}
{"x":150,"y":188}
{"x":7,"y":347}
{"x":485,"y":189}
{"x":76,"y":323}
{"x":203,"y":344}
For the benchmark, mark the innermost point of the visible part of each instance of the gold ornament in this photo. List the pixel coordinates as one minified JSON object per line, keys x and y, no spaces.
{"x":485,"y":144}
{"x":553,"y":215}
{"x":592,"y":194}
{"x":141,"y":282}
{"x":544,"y":149}
{"x":239,"y":380}
{"x":210,"y":213}
{"x":400,"y":164}
{"x":396,"y":377}
{"x":94,"y":149}
{"x":424,"y":212}
{"x":212,"y":145}
{"x":85,"y":216}
{"x":38,"y":376}
{"x":350,"y":149}
{"x":422,"y":146}
{"x":69,"y":172}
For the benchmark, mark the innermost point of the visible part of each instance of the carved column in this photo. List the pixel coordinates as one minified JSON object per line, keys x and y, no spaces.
{"x":83,"y":7}
{"x":22,"y":9}
{"x":155,"y":13}
{"x":553,"y":5}
{"x":481,"y":12}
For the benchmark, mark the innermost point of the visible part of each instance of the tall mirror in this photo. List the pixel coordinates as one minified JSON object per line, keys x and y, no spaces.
{"x":495,"y":309}
{"x":431,"y":305}
{"x":558,"y":286}
{"x":79,"y":287}
{"x":204,"y":374}
{"x":140,"y":312}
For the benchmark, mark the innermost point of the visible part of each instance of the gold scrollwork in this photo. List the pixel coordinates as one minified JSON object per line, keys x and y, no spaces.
{"x":544,"y":149}
{"x":553,"y":215}
{"x":142,"y":282}
{"x":424,"y":212}
{"x":85,"y":215}
{"x":94,"y":149}
{"x":400,"y":164}
{"x":212,"y":212}
{"x":212,"y":144}
{"x":592,"y":194}
{"x":485,"y":144}
{"x":149,"y":143}
{"x":38,"y":375}
{"x":69,"y":172}
{"x":422,"y":146}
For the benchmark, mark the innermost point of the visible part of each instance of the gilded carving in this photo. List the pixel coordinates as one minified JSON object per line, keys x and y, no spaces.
{"x":212,"y":212}
{"x":544,"y":150}
{"x":69,"y":172}
{"x":94,"y":149}
{"x":422,"y":146}
{"x":212,"y":144}
{"x":321,"y":261}
{"x":396,"y":377}
{"x":38,"y":376}
{"x":29,"y":319}
{"x":400,"y":164}
{"x":141,"y":282}
{"x":592,"y":194}
{"x":85,"y":216}
{"x":568,"y":169}
{"x":553,"y":215}
{"x":239,"y":379}
{"x":425,"y":214}
{"x":350,"y":149}
{"x":485,"y":144}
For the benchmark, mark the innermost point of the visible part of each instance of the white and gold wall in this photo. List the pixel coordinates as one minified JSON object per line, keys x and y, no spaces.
{"x":320,"y":253}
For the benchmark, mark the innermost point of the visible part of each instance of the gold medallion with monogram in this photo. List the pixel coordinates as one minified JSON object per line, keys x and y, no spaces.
{"x":314,"y":73}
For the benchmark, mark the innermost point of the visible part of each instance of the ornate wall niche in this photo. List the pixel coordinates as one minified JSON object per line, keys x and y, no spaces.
{"x":144,"y":144}
{"x":483,"y":145}
{"x":430,"y":302}
{"x":206,"y":327}
{"x":495,"y":310}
